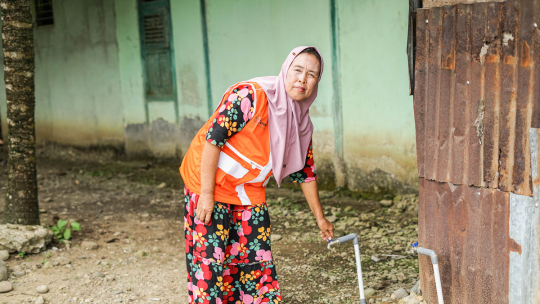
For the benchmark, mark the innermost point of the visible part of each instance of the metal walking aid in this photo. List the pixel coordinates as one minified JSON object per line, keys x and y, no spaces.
{"x":353,"y":237}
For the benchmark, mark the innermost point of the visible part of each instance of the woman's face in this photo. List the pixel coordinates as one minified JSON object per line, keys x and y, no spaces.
{"x":302,"y":76}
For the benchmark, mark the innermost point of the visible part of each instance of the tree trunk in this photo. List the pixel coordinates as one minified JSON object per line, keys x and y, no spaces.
{"x":21,"y":204}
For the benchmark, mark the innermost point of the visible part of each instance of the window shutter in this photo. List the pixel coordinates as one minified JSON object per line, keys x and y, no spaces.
{"x":155,"y":42}
{"x":44,"y":12}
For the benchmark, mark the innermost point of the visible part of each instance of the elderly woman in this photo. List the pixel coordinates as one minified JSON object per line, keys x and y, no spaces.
{"x":261,"y":128}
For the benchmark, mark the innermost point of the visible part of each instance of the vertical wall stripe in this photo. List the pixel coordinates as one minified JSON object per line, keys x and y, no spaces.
{"x":336,"y":83}
{"x":206,"y":56}
{"x":173,"y":65}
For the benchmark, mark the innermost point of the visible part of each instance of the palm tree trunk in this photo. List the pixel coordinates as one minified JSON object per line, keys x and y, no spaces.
{"x":21,"y":203}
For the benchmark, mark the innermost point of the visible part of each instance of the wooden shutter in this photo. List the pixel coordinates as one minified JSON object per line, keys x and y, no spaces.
{"x":44,"y":12}
{"x":156,"y":50}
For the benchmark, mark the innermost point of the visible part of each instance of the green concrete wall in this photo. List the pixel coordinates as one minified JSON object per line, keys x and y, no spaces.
{"x":252,"y":38}
{"x":378,"y":117}
{"x":78,"y":92}
{"x":130,"y":64}
{"x":89,"y":78}
{"x":189,"y":58}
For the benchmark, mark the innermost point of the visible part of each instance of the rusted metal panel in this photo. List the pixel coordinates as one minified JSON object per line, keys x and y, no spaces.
{"x":490,"y":136}
{"x":507,"y":119}
{"x":438,"y":3}
{"x":535,"y":57}
{"x":523,"y":115}
{"x":462,"y":74}
{"x":446,"y":98}
{"x":478,"y":93}
{"x":476,"y":79}
{"x":420,"y":77}
{"x":434,"y":29}
{"x":468,"y":227}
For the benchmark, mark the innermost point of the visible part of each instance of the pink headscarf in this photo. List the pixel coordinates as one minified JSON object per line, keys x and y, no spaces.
{"x":289,"y":123}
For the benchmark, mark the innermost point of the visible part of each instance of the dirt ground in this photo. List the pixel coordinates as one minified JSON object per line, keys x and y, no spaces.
{"x":126,"y":206}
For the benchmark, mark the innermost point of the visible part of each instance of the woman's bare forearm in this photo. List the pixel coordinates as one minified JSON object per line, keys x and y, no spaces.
{"x":311,"y":192}
{"x":209,"y":163}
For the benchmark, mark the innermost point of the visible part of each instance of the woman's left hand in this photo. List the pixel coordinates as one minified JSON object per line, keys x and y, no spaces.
{"x":327,"y":229}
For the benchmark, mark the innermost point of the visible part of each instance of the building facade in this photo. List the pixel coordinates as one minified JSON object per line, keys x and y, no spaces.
{"x":144,"y":75}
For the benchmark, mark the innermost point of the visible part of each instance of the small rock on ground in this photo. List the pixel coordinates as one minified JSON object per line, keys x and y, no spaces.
{"x":369,"y":292}
{"x":400,"y":294}
{"x":39,"y":300}
{"x":386,"y":203}
{"x":4,"y":255}
{"x":140,"y":254}
{"x":42,"y":289}
{"x":23,"y":238}
{"x":19,"y":274}
{"x":5,"y":286}
{"x":275,"y":237}
{"x":89,"y":245}
{"x":98,"y":274}
{"x":416,"y":287}
{"x":3,"y":271}
{"x":62,"y":261}
{"x":48,"y":265}
{"x":381,"y":285}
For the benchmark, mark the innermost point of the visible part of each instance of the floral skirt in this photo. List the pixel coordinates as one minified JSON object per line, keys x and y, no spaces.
{"x":230,"y":260}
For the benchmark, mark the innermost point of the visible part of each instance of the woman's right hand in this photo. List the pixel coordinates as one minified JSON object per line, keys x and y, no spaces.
{"x":205,"y":207}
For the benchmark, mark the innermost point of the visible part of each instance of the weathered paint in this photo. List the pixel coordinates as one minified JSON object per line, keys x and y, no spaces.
{"x":191,"y":70}
{"x":336,"y":84}
{"x":378,"y":122}
{"x":534,"y":134}
{"x":130,"y":65}
{"x":204,"y":27}
{"x":78,"y":91}
{"x":523,"y":276}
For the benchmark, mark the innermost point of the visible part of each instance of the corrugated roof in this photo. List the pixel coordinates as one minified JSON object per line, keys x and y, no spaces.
{"x":477,"y":93}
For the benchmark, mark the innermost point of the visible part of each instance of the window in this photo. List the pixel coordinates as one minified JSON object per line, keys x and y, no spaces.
{"x":44,"y":12}
{"x":155,"y":29}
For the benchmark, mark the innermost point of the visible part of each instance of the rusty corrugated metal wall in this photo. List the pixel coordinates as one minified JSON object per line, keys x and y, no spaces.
{"x":468,"y":228}
{"x":477,"y":94}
